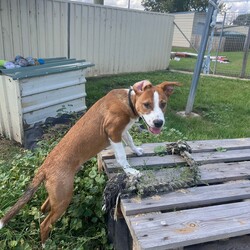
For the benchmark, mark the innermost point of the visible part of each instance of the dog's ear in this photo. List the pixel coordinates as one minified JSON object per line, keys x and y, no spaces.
{"x":168,"y":87}
{"x":141,"y":86}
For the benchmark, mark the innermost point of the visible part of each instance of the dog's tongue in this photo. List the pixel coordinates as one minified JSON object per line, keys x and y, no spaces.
{"x":155,"y":130}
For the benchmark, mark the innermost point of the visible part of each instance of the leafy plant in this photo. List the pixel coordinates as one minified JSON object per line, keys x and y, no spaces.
{"x":221,"y":149}
{"x":82,"y":226}
{"x":160,"y":150}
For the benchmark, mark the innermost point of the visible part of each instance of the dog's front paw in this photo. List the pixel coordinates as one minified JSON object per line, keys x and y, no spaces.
{"x":138,"y":151}
{"x":131,"y":171}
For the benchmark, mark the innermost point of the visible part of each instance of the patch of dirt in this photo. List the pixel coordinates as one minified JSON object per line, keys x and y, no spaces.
{"x":8,"y":149}
{"x":55,"y":131}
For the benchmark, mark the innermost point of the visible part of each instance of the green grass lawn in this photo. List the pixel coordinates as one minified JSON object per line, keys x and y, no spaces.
{"x":224,"y":106}
{"x":233,"y":68}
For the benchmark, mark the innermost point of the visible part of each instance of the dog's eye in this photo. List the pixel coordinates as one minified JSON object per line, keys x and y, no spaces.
{"x":147,"y":105}
{"x":162,"y":105}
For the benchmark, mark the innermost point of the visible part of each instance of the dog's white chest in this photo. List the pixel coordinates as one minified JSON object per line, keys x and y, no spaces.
{"x":129,"y":125}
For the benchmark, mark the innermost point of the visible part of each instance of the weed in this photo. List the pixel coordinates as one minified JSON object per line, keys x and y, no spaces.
{"x":221,"y":149}
{"x":160,"y":150}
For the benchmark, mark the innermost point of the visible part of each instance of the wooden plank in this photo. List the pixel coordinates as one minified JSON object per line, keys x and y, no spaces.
{"x":221,"y":172}
{"x":118,"y":233}
{"x":228,"y":156}
{"x":188,"y":227}
{"x":216,"y":172}
{"x":189,"y":197}
{"x":197,"y":146}
{"x":235,"y":243}
{"x":144,"y":161}
{"x":228,"y":144}
{"x":153,"y":228}
{"x":172,"y":160}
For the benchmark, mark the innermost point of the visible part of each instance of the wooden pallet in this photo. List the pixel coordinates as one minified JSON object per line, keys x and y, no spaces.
{"x":218,"y":208}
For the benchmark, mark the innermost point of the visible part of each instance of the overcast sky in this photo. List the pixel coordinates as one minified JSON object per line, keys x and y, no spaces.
{"x":234,"y":7}
{"x":241,"y":6}
{"x":237,"y":6}
{"x":134,"y":4}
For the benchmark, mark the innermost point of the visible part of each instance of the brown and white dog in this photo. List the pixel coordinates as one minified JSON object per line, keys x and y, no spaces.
{"x":106,"y":122}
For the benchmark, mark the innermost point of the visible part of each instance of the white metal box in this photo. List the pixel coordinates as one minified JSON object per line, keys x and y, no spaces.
{"x":32,"y":94}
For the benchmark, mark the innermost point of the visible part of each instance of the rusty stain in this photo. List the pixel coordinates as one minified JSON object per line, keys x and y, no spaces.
{"x":189,"y":228}
{"x":28,"y":104}
{"x":139,"y":215}
{"x":136,"y":200}
{"x":156,"y":197}
{"x":183,"y":191}
{"x":242,"y":222}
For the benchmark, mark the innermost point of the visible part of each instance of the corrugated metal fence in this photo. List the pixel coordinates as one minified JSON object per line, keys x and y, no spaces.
{"x":35,"y":28}
{"x":116,"y":40}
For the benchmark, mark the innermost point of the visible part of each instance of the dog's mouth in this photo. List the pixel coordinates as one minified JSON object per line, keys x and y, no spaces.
{"x":153,"y":130}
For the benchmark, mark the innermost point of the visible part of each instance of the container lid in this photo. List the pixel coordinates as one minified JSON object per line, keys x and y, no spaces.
{"x":50,"y":66}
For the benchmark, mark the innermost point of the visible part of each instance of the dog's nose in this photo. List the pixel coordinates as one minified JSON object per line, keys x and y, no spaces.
{"x":158,"y":123}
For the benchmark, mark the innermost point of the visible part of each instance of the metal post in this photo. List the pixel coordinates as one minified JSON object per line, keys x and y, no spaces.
{"x":200,"y":57}
{"x":218,"y":49}
{"x":68,"y":35}
{"x":246,"y":49}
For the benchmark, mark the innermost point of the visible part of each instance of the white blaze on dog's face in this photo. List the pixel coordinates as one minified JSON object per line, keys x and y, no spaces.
{"x":151,"y":103}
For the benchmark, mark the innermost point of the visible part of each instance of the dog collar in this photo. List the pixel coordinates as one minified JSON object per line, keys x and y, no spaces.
{"x":130,"y":101}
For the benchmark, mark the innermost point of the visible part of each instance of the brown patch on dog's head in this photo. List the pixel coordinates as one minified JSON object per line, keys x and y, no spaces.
{"x":168,"y":87}
{"x":144,"y":91}
{"x":144,"y":96}
{"x":140,"y":87}
{"x":150,"y":102}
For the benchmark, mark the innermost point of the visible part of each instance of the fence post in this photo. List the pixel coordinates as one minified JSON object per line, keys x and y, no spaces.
{"x":200,"y":57}
{"x":218,"y":49}
{"x":246,"y":49}
{"x":68,"y":31}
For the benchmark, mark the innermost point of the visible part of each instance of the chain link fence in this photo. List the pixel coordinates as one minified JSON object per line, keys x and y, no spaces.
{"x":227,"y":46}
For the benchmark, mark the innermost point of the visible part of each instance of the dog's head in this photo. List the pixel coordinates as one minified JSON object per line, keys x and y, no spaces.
{"x":151,"y":103}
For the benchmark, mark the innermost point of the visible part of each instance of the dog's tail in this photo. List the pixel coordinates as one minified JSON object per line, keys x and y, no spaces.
{"x":25,"y":198}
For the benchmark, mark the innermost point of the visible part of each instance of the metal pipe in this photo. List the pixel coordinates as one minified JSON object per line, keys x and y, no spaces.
{"x":218,"y":49}
{"x":246,"y":50}
{"x":197,"y":70}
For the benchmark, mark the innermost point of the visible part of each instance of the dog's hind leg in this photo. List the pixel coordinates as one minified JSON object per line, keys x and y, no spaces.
{"x":60,"y":195}
{"x":46,"y":206}
{"x":99,"y":163}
